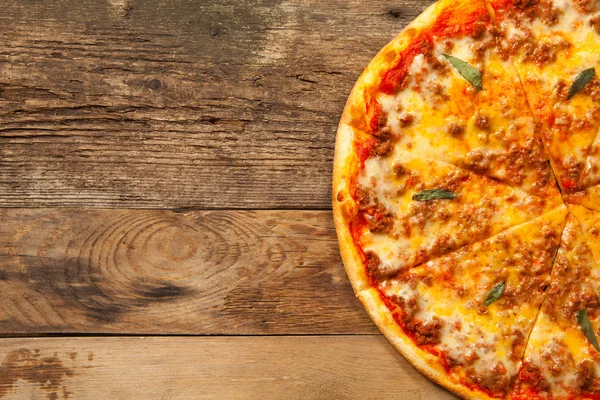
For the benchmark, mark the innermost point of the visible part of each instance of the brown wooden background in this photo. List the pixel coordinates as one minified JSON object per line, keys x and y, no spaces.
{"x":165,"y":224}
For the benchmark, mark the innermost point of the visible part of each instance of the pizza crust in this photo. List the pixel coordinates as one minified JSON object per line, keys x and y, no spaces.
{"x":423,"y":361}
{"x":344,"y":206}
{"x":356,"y":106}
{"x":352,"y":119}
{"x":346,"y":164}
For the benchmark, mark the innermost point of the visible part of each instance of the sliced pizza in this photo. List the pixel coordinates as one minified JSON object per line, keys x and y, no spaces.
{"x":406,"y":210}
{"x":440,"y":91}
{"x":471,"y":311}
{"x":554,"y":46}
{"x":446,"y":206}
{"x":562,"y":358}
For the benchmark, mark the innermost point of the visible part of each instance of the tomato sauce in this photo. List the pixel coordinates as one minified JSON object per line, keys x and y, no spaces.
{"x":452,"y":22}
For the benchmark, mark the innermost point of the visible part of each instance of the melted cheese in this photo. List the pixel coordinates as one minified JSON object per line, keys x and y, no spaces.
{"x":453,"y":288}
{"x":589,"y":198}
{"x":446,"y":255}
{"x":419,"y":100}
{"x":508,"y":150}
{"x":591,"y":173}
{"x":590,"y":225}
{"x":577,"y":120}
{"x":557,"y":345}
{"x":421,"y":230}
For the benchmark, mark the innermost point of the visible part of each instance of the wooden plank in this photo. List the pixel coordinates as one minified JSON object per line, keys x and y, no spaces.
{"x":334,"y":367}
{"x":160,"y":272}
{"x":203,"y":104}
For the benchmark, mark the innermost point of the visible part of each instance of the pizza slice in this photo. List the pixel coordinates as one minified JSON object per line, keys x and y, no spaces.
{"x":468,"y":314}
{"x":406,"y":210}
{"x":440,"y":91}
{"x":554,"y":46}
{"x":561,"y":359}
{"x":590,"y":225}
{"x":502,"y":138}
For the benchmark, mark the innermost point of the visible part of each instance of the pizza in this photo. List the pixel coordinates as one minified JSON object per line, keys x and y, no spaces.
{"x":466,"y":196}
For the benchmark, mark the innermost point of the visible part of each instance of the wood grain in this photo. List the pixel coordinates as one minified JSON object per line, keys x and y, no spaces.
{"x":334,"y":367}
{"x":199,"y":104}
{"x":160,"y":272}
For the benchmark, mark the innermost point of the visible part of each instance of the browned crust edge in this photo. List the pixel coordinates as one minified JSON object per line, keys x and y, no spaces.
{"x":345,"y":209}
{"x":343,"y":212}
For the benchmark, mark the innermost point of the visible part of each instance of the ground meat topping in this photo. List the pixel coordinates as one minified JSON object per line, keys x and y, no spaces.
{"x":427,"y":333}
{"x":399,"y":170}
{"x":372,"y":265}
{"x":544,"y":54}
{"x":595,"y":22}
{"x":585,"y":374}
{"x":477,"y":160}
{"x":533,"y":376}
{"x":437,"y":89}
{"x":549,"y":15}
{"x":363,"y":198}
{"x":479,"y":50}
{"x":570,"y":294}
{"x":517,"y":346}
{"x":378,"y":218}
{"x":496,"y":379}
{"x":561,"y":90}
{"x":531,"y":49}
{"x":482,"y":122}
{"x":534,"y":9}
{"x":571,"y":170}
{"x":409,"y":306}
{"x":381,"y":222}
{"x":455,"y":129}
{"x":525,"y":4}
{"x":588,"y":6}
{"x":478,"y":30}
{"x":555,"y":358}
{"x":382,"y":148}
{"x":592,"y":89}
{"x":406,"y":119}
{"x":383,"y":130}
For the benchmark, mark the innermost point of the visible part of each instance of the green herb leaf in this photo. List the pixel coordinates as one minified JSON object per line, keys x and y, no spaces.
{"x":582,"y":79}
{"x":434,"y":194}
{"x":469,"y":72}
{"x":587,"y":328}
{"x":495,"y":293}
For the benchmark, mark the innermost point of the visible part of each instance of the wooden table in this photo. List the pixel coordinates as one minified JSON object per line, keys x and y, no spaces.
{"x":165,"y":189}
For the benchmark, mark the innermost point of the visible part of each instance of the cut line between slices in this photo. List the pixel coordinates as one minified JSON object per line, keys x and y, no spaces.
{"x":564,"y":201}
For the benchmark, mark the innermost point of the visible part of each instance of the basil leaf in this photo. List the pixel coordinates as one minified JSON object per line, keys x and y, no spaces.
{"x":469,"y":72}
{"x":586,"y":326}
{"x":434,"y":194}
{"x":582,"y":79}
{"x":495,"y":293}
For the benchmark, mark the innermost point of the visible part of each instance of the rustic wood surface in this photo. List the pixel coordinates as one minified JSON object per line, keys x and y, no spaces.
{"x":159,"y":272}
{"x":177,"y":104}
{"x":335,"y":367}
{"x":165,"y":170}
